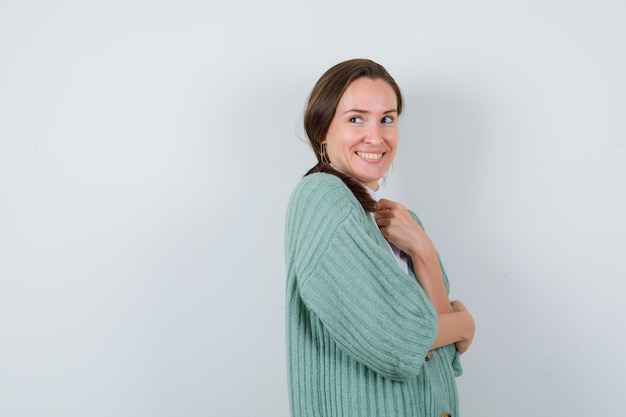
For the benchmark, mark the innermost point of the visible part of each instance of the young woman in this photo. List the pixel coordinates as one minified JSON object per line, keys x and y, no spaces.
{"x":370,"y":328}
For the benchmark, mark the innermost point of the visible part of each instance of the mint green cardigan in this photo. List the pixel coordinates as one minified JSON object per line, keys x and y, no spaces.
{"x":359,"y":329}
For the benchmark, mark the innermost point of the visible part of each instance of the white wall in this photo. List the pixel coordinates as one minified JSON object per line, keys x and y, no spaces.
{"x":148,"y":149}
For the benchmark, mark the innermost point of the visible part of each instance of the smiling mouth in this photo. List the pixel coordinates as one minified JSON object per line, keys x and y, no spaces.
{"x":370,"y":156}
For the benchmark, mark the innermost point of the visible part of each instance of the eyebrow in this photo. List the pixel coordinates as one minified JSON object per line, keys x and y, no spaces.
{"x":368,"y":112}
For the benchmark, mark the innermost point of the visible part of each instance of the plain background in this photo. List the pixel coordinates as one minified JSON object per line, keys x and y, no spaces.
{"x":148,"y":150}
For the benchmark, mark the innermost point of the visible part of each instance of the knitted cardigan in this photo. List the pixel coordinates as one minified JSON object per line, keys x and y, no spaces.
{"x":359,"y":329}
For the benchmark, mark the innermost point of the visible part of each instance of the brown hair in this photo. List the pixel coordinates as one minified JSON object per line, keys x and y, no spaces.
{"x":320,"y":110}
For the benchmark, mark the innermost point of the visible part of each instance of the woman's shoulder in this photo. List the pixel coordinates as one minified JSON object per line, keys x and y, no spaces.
{"x":323,"y":194}
{"x":320,"y":183}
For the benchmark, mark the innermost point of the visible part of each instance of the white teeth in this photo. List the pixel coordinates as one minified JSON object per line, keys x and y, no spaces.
{"x":370,"y":156}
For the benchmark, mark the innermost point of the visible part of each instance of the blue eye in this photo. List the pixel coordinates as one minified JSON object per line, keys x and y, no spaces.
{"x":356,"y":119}
{"x":387,"y":120}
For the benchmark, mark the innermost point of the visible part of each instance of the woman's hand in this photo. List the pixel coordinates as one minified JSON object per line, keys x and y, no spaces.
{"x":455,"y":327}
{"x":398,"y":227}
{"x":464,"y":344}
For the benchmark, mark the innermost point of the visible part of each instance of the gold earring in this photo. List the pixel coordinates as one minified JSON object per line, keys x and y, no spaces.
{"x":323,"y":156}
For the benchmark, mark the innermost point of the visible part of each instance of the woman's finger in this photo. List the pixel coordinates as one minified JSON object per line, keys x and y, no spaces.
{"x":384,"y":204}
{"x":458,"y":306}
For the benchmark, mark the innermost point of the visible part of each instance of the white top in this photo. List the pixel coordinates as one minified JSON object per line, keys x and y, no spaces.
{"x":400,"y":256}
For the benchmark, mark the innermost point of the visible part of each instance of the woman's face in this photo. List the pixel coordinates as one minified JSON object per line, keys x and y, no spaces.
{"x":362,"y":138}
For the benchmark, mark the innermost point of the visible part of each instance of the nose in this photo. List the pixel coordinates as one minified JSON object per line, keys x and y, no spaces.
{"x":374,"y":135}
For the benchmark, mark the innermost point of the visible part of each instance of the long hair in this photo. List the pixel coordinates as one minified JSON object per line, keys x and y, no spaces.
{"x":320,"y":110}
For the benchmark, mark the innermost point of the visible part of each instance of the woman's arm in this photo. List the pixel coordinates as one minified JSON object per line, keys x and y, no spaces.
{"x":455,"y":324}
{"x":456,"y":327}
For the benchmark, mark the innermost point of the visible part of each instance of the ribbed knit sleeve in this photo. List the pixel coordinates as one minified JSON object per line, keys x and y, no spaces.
{"x":374,"y":312}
